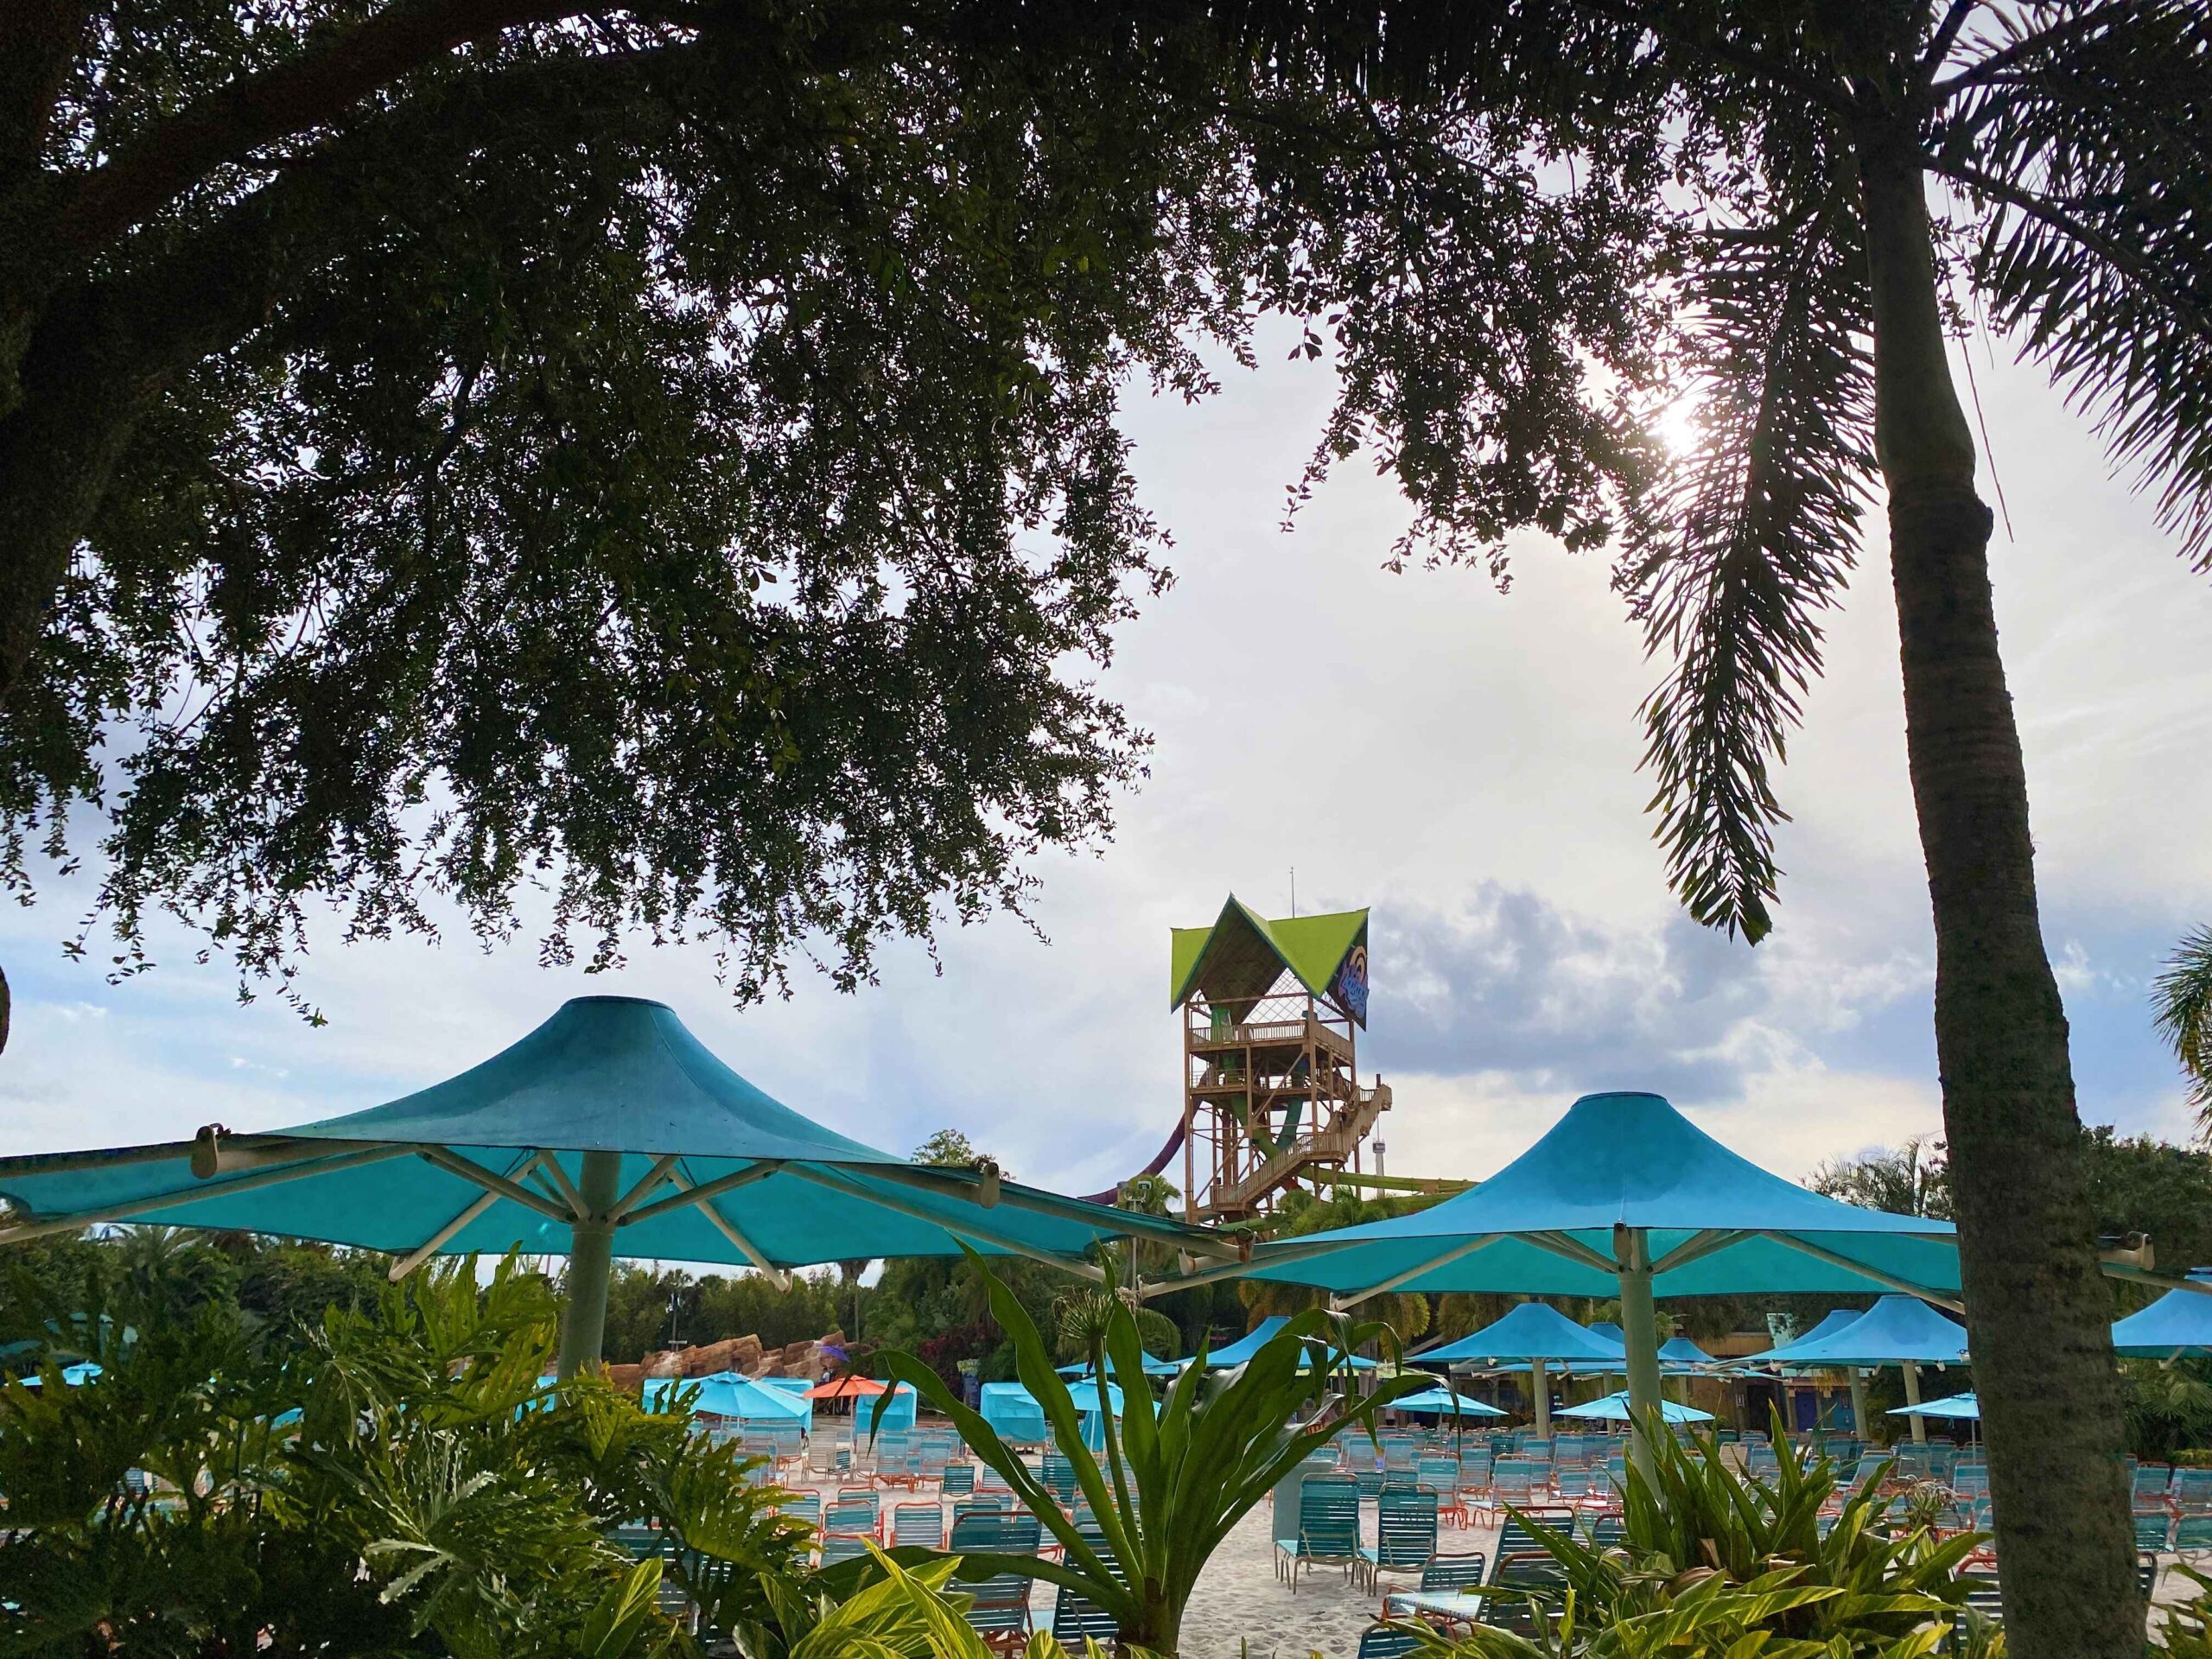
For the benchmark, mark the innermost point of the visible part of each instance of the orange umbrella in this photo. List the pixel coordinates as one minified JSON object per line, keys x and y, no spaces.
{"x":845,"y":1387}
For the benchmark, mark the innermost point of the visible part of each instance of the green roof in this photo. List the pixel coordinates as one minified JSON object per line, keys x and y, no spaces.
{"x":1237,"y":960}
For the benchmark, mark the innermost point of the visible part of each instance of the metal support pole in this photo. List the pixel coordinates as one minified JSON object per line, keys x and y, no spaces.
{"x":1539,"y":1386}
{"x":591,"y":1262}
{"x":1912,"y":1398}
{"x":1640,"y":1329}
{"x":1859,"y":1424}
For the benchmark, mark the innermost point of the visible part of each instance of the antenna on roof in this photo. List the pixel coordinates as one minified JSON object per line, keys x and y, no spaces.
{"x":1294,"y":889}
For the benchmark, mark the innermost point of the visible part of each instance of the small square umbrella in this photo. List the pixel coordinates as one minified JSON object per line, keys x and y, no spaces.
{"x":846,"y":1388}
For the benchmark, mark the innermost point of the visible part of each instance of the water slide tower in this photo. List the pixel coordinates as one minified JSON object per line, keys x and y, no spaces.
{"x":1271,"y":1012}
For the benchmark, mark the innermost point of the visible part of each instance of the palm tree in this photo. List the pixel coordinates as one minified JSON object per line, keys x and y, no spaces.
{"x":2182,"y":1001}
{"x":1766,"y":171}
{"x":850,"y":1272}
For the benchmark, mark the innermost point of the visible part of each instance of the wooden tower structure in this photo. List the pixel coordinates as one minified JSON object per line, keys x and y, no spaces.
{"x":1271,"y":1013}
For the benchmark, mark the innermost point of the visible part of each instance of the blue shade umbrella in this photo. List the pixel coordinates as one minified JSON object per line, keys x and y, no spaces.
{"x":1444,"y":1402}
{"x":1835,"y":1320}
{"x":1624,"y":1197}
{"x":2179,"y":1322}
{"x":1245,"y":1346}
{"x":1153,"y":1366}
{"x":609,"y":1120}
{"x":1534,"y":1331}
{"x":1251,"y":1342}
{"x":732,"y":1395}
{"x":1897,"y":1330}
{"x":1538,"y":1335}
{"x":1015,"y":1413}
{"x":1958,"y":1407}
{"x":1614,"y":1408}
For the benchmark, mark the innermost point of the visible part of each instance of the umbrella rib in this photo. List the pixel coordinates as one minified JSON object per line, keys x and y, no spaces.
{"x":703,"y":1201}
{"x":550,"y":1169}
{"x":2162,"y":1281}
{"x":65,"y":1163}
{"x":1697,"y":1247}
{"x":1465,"y":1248}
{"x":838,"y":1181}
{"x":1573,"y":1248}
{"x":45,"y":1226}
{"x":438,"y":1241}
{"x":454,"y":1164}
{"x":685,"y":1199}
{"x":1265,"y":1255}
{"x":651,"y":1179}
{"x":948,"y":1184}
{"x":1836,"y":1259}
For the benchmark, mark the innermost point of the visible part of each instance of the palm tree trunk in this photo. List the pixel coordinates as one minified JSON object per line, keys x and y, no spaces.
{"x":2037,"y":1310}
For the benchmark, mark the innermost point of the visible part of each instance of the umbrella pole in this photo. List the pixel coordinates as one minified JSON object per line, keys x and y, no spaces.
{"x":591,"y":1262}
{"x":1858,"y":1405}
{"x":1912,"y":1398}
{"x":1539,"y":1385}
{"x":1640,"y":1326}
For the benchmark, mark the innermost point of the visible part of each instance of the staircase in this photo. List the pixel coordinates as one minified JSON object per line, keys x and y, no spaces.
{"x":1330,"y":1144}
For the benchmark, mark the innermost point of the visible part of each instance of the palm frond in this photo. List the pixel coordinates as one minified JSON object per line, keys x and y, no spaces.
{"x":2088,"y":155}
{"x":1748,"y":539}
{"x":2182,"y":999}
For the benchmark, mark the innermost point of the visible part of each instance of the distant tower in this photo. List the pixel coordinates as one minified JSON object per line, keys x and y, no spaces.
{"x":1271,"y":1012}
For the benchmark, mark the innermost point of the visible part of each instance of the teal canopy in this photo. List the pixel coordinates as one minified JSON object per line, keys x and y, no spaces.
{"x":1246,"y":1345}
{"x":1681,"y":1352}
{"x":1624,"y":1197}
{"x":896,"y":1408}
{"x":1895,"y":1330}
{"x":1835,"y":1320}
{"x":1258,"y":1336}
{"x":1153,"y":1366}
{"x":1614,"y":1408}
{"x":1715,"y":1224}
{"x":1445,"y":1402}
{"x":730,"y":1393}
{"x":1014,"y":1413}
{"x":1531,"y":1331}
{"x":1958,"y":1407}
{"x":2179,"y":1322}
{"x":609,"y":1128}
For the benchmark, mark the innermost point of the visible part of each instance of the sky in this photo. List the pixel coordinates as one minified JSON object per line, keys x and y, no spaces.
{"x":1462,"y":761}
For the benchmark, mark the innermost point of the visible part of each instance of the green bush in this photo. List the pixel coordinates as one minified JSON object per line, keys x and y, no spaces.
{"x":1715,"y":1563}
{"x":401,"y":1483}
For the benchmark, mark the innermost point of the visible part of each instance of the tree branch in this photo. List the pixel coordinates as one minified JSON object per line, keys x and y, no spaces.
{"x":103,"y":348}
{"x":37,"y":40}
{"x":2046,"y":213}
{"x":172,"y":154}
{"x":2028,"y":46}
{"x":1724,"y":50}
{"x":1939,"y":43}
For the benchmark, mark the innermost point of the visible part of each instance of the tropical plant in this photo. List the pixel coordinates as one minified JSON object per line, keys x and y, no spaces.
{"x":1174,"y":1478}
{"x":1716,"y":1563}
{"x":2182,"y":999}
{"x":2186,"y":1630}
{"x":1913,"y":1180}
{"x":404,"y":1484}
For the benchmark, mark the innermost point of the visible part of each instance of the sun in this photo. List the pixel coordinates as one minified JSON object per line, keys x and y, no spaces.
{"x":1675,"y":424}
